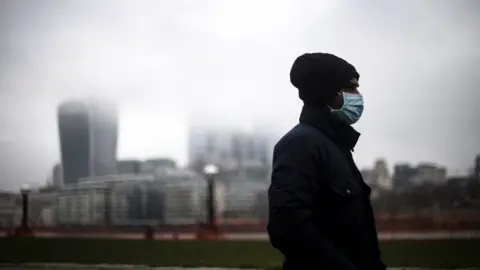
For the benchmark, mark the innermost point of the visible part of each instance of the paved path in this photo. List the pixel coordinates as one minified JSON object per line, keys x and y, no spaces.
{"x":52,"y":266}
{"x":98,"y":267}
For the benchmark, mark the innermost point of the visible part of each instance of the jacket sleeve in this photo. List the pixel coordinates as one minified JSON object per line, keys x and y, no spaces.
{"x":292,"y":193}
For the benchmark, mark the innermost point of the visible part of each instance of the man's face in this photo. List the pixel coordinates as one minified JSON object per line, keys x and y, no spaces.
{"x":337,"y":101}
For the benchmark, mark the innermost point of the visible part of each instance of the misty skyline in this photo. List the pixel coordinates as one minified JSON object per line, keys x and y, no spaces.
{"x":167,"y":64}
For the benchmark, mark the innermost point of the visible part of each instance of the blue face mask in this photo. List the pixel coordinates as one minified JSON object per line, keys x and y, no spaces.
{"x":352,"y":108}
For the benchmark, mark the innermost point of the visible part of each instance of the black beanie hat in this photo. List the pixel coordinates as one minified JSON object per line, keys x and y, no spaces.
{"x":320,"y":76}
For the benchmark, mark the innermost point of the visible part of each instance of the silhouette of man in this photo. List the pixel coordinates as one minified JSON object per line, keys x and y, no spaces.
{"x":320,"y":215}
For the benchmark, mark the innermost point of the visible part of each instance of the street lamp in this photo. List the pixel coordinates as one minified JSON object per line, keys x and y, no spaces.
{"x":24,"y":191}
{"x":210,"y":171}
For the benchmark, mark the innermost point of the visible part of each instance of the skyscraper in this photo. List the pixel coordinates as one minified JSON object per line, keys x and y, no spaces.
{"x":88,"y":139}
{"x":247,"y":153}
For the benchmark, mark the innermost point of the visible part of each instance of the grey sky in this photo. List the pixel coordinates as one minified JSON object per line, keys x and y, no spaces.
{"x":166,"y":63}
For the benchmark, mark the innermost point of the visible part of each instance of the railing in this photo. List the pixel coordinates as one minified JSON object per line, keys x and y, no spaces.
{"x":390,"y":224}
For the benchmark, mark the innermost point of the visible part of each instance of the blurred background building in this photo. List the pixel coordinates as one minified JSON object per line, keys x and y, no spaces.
{"x":88,"y":139}
{"x":476,"y":170}
{"x":239,"y":154}
{"x":429,"y":173}
{"x":90,"y":187}
{"x":9,"y":209}
{"x":156,"y":192}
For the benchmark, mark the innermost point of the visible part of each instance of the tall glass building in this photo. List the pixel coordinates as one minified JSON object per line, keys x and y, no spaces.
{"x":88,"y":139}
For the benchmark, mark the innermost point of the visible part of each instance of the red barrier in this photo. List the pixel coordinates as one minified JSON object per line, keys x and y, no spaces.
{"x":384,"y":225}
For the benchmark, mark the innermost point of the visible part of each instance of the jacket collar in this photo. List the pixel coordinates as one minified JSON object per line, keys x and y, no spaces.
{"x":343,"y":135}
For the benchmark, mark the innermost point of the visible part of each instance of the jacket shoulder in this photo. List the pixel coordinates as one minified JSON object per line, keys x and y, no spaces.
{"x":302,"y":135}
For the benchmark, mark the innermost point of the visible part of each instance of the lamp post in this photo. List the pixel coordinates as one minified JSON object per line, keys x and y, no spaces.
{"x":210,"y":171}
{"x":24,"y":228}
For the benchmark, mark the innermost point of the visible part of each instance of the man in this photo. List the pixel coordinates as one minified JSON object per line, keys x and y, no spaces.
{"x":319,"y":206}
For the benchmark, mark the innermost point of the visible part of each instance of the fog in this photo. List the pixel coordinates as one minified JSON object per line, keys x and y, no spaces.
{"x":171,"y":63}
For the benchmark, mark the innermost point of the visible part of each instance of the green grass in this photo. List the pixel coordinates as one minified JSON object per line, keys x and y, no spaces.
{"x":242,"y":254}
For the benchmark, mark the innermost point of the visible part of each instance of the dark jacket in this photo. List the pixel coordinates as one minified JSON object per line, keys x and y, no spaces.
{"x":319,"y":206}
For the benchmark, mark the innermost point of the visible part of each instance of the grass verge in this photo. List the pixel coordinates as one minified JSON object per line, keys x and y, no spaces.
{"x":220,"y":253}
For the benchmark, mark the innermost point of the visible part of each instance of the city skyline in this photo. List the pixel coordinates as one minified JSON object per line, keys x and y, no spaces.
{"x":165,"y":64}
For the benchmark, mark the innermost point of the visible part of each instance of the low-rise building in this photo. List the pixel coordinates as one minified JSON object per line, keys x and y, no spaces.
{"x":403,"y":174}
{"x":240,"y":198}
{"x":429,"y":173}
{"x":82,"y":205}
{"x":89,"y":202}
{"x":166,"y":196}
{"x":9,"y":205}
{"x":138,"y":203}
{"x":183,"y":203}
{"x":40,"y":203}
